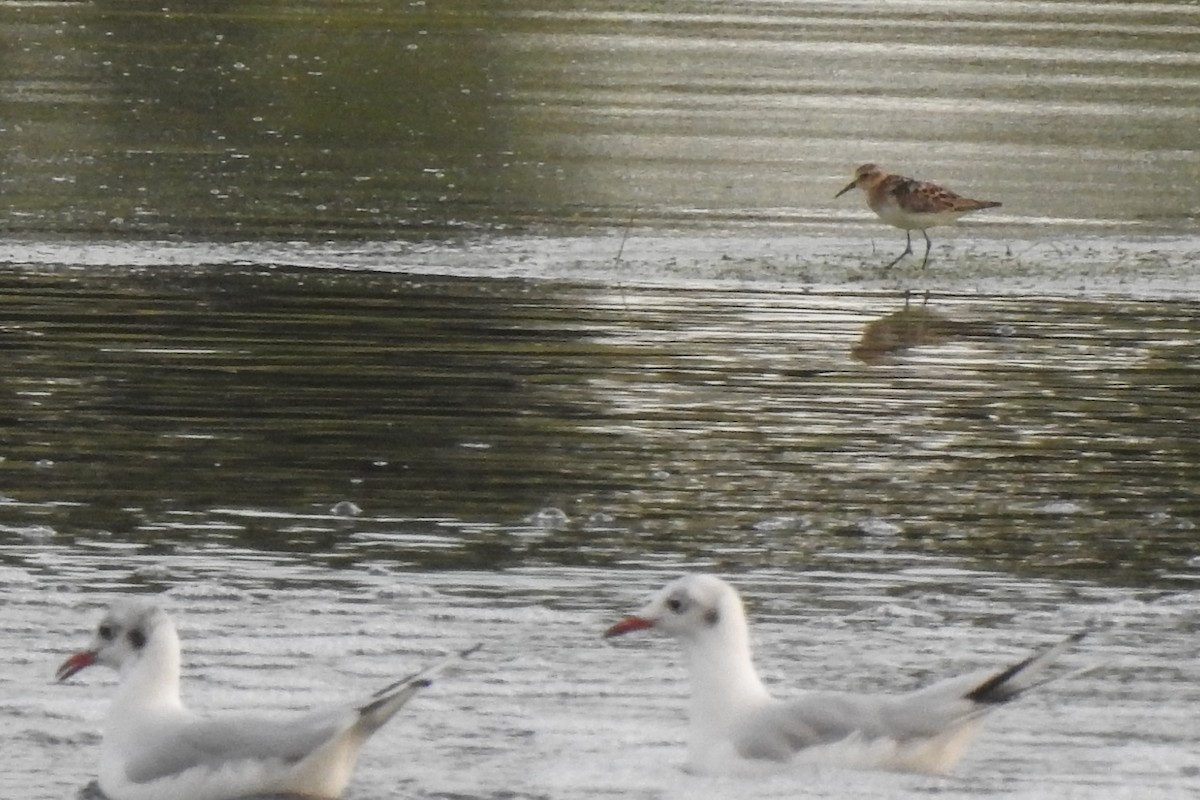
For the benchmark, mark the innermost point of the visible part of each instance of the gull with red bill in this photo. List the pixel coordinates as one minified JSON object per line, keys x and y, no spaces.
{"x":153,"y":747}
{"x":735,"y":721}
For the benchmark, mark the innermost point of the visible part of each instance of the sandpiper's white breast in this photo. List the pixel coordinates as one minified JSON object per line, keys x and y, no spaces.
{"x":891,"y":212}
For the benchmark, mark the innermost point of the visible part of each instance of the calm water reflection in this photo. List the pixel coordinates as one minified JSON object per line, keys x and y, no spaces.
{"x":323,"y":119}
{"x":514,"y":422}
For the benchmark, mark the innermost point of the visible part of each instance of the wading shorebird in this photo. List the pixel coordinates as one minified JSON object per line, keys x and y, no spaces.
{"x":911,"y":205}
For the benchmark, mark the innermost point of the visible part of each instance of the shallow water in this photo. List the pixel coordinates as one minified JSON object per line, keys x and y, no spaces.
{"x":548,"y":710}
{"x":530,"y":458}
{"x":491,"y":422}
{"x":362,"y":332}
{"x":411,"y":120}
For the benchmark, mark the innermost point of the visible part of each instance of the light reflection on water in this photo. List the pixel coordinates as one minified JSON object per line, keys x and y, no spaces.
{"x":515,"y":422}
{"x":532,"y":457}
{"x":423,"y":119}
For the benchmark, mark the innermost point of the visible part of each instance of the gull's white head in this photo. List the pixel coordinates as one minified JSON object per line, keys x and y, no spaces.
{"x":135,"y":634}
{"x":705,"y":614}
{"x":692,"y":608}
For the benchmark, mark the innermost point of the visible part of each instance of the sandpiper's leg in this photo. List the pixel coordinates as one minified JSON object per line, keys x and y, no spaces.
{"x":907,"y":251}
{"x":928,"y":244}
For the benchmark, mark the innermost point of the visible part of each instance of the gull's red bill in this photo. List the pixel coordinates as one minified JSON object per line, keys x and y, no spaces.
{"x":79,"y":661}
{"x":628,"y":624}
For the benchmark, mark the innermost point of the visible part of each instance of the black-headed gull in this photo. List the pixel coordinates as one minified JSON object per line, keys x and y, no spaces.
{"x":154,"y":748}
{"x":734,"y":721}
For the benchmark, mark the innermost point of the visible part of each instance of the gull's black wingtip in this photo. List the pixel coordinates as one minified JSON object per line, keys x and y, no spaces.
{"x":1005,"y":685}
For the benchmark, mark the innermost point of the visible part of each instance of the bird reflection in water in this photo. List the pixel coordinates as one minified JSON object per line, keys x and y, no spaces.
{"x":885,"y":339}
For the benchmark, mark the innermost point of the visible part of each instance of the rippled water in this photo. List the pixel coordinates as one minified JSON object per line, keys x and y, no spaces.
{"x":903,"y":493}
{"x":363,"y":331}
{"x":412,"y":119}
{"x":218,"y":404}
{"x":548,"y":710}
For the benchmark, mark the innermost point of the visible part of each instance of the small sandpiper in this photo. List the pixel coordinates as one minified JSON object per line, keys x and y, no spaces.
{"x":911,"y":205}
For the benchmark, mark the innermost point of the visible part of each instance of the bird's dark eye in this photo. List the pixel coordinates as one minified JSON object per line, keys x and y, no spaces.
{"x":105,"y":632}
{"x":675,"y":604}
{"x":137,"y":639}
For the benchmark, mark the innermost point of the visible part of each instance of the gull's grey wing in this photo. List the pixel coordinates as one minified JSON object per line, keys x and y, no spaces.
{"x":782,"y":729}
{"x":384,"y":704}
{"x":211,"y":743}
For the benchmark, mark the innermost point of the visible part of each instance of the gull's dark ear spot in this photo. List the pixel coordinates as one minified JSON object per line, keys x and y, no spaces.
{"x":137,"y":639}
{"x":711,"y":617}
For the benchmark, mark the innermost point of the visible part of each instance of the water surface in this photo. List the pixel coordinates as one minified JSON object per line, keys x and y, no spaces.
{"x":361,"y":332}
{"x":411,"y":120}
{"x":903,"y":493}
{"x":653,"y":420}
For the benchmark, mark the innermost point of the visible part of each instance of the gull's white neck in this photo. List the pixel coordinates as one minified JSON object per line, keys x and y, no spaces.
{"x":146,"y":706}
{"x":725,"y":685}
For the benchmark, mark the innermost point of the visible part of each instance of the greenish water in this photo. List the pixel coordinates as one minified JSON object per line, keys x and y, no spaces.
{"x":525,"y":422}
{"x":362,"y":331}
{"x":408,"y":120}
